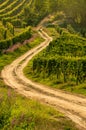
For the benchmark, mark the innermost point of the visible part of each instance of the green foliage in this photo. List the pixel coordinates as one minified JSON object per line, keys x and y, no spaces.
{"x":64,"y":58}
{"x":9,"y":7}
{"x":14,"y":11}
{"x":83,"y":32}
{"x":20,"y":113}
{"x":10,"y":27}
{"x":5,"y":44}
{"x":18,"y":23}
{"x":9,"y":57}
{"x":63,"y":67}
{"x":2,"y":1}
{"x":70,"y":29}
{"x":5,"y":4}
{"x":32,"y":11}
{"x":6,"y":31}
{"x":2,"y":33}
{"x":75,"y":9}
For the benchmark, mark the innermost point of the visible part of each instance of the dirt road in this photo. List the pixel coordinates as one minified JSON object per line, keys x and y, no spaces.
{"x":72,"y":106}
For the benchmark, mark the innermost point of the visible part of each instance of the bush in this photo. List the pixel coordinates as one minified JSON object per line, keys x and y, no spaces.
{"x":10,"y":27}
{"x":70,"y":29}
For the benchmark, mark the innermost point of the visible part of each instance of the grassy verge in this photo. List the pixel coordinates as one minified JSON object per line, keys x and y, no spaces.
{"x":20,"y":113}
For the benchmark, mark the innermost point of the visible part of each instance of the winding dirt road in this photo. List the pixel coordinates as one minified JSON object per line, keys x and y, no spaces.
{"x":71,"y":105}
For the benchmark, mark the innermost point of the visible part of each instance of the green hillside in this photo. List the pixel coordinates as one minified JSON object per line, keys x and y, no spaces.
{"x":61,"y":65}
{"x":21,"y":14}
{"x":8,"y":30}
{"x":24,"y":13}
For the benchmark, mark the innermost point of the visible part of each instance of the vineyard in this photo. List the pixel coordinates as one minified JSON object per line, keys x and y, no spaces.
{"x":64,"y":60}
{"x":16,"y":17}
{"x":13,"y":32}
{"x":51,"y":35}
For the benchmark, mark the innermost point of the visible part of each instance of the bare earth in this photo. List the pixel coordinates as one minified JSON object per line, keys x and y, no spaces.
{"x":72,"y":106}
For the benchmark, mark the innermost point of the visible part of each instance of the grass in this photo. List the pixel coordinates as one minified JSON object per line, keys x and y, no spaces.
{"x":51,"y":32}
{"x":18,"y":30}
{"x":19,"y":113}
